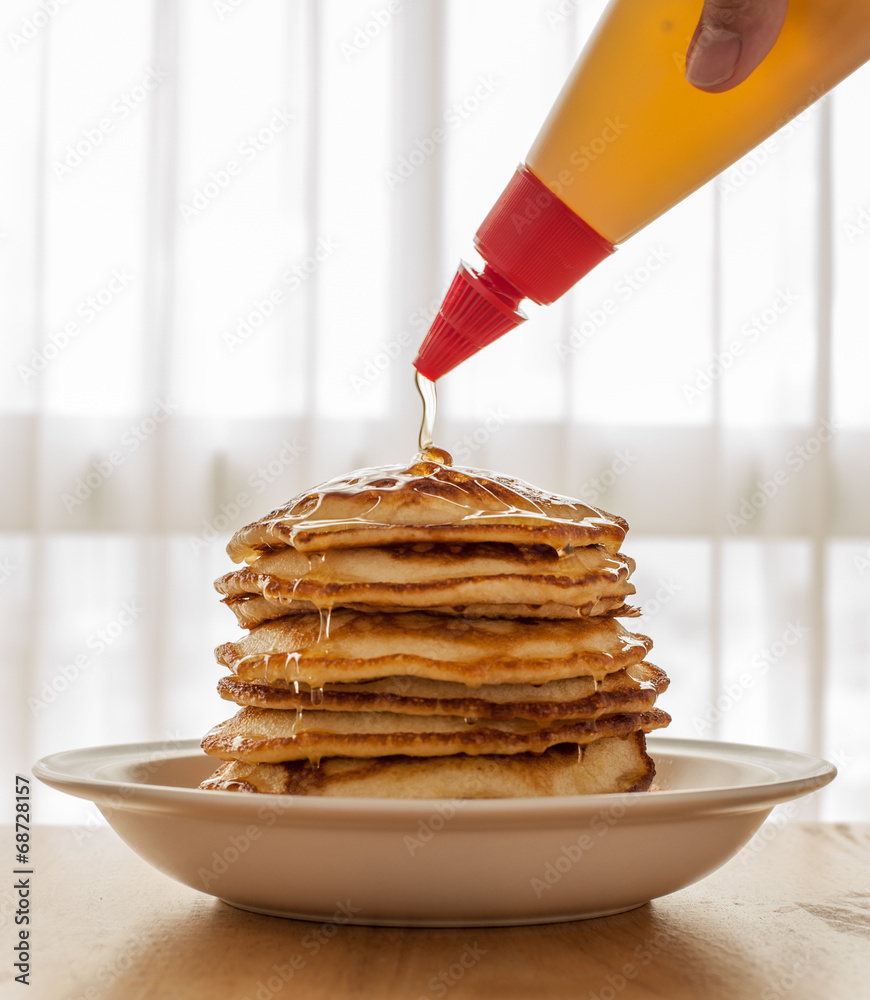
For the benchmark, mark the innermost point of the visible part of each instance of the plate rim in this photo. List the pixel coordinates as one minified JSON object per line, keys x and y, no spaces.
{"x":804,"y":773}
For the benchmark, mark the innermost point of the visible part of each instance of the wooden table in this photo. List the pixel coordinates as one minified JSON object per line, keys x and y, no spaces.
{"x":790,"y":918}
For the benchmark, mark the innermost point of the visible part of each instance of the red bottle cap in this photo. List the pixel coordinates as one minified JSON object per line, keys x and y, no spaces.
{"x":474,"y":313}
{"x":535,"y":247}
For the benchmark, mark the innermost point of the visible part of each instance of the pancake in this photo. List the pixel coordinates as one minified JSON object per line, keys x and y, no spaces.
{"x":611,"y":764}
{"x":425,"y":575}
{"x":626,"y":691}
{"x":431,"y":631}
{"x":252,"y":610}
{"x":263,"y":735}
{"x":360,"y":647}
{"x":428,"y":502}
{"x":421,"y":688}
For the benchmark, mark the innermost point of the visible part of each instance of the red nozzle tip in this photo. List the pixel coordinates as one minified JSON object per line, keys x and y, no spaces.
{"x":535,"y":247}
{"x":477,"y":309}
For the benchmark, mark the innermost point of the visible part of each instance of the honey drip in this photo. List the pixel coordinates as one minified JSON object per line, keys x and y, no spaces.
{"x":428,"y":396}
{"x":454,"y":496}
{"x":294,"y":672}
{"x":325,"y":621}
{"x":426,"y":388}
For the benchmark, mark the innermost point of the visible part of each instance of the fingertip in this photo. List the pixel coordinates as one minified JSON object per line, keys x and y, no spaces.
{"x":709,"y":65}
{"x":713,"y":58}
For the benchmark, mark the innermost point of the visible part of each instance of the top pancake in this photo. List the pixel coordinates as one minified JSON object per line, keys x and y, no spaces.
{"x":427,"y":502}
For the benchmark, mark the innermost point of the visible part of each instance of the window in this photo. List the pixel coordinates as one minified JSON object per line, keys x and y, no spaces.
{"x":225,"y":228}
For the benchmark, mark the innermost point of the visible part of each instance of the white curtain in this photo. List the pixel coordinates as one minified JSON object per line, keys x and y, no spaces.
{"x":225,"y":227}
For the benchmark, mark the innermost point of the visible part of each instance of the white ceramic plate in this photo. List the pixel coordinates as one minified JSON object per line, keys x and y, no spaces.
{"x":438,"y":862}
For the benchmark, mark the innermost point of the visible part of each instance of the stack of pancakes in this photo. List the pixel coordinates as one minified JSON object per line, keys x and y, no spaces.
{"x":434,"y":632}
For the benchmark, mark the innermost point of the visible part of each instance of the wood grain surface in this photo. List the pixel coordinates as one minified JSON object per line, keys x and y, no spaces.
{"x":787,"y":918}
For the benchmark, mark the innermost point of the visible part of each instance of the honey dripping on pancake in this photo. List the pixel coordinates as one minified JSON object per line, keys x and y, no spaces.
{"x":325,"y":622}
{"x":315,"y":692}
{"x":272,"y":666}
{"x":350,"y":503}
{"x":428,"y":396}
{"x":287,"y":671}
{"x":429,"y":453}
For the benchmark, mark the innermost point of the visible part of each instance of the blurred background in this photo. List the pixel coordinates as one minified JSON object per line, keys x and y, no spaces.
{"x":224,"y":229}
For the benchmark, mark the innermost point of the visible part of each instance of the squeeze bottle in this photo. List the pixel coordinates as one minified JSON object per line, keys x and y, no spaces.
{"x":627,"y":138}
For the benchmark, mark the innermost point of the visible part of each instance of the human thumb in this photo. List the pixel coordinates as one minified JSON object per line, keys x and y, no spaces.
{"x":731,"y":39}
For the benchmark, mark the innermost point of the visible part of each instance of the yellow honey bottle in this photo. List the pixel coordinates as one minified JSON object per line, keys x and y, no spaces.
{"x":627,"y":138}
